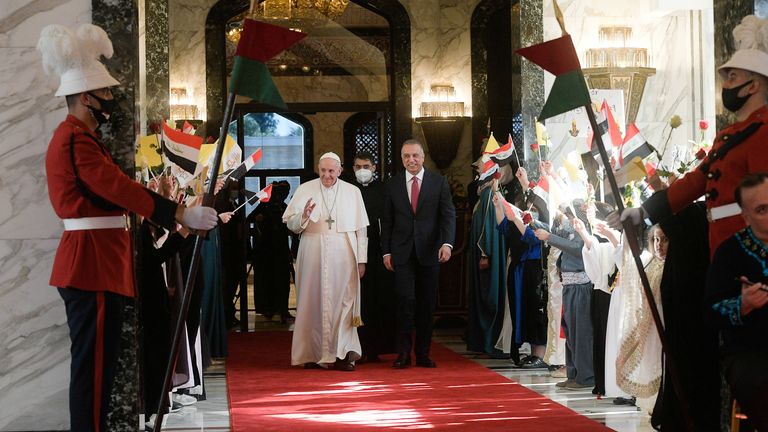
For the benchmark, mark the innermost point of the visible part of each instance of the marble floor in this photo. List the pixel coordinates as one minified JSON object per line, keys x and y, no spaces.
{"x":213,"y":414}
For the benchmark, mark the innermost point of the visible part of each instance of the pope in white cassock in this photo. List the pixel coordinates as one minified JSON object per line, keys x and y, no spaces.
{"x":330,"y":216}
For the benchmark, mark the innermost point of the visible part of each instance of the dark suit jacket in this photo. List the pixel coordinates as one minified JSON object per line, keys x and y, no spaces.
{"x":433,"y":224}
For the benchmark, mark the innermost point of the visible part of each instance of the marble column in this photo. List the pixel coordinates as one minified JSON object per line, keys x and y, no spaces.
{"x":531,"y":33}
{"x":728,"y":14}
{"x":157,"y":60}
{"x":120,"y":20}
{"x":34,"y":339}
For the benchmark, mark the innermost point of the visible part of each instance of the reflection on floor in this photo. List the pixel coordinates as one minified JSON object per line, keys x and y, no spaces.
{"x":213,"y":414}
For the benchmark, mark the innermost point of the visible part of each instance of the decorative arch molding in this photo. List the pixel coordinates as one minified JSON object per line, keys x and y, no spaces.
{"x":400,"y":73}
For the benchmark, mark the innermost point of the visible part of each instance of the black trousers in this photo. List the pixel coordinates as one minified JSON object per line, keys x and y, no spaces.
{"x":747,"y":376}
{"x":601,"y":302}
{"x":94,"y":320}
{"x":416,"y":290}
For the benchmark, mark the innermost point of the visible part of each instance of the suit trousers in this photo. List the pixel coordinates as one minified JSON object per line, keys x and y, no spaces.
{"x":94,"y":319}
{"x":416,"y":290}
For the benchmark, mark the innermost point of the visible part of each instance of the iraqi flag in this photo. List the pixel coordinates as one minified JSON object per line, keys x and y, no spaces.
{"x":504,"y":154}
{"x":634,"y":146}
{"x":181,"y":149}
{"x":260,"y":42}
{"x":488,"y":169}
{"x":252,"y":198}
{"x":246,"y":166}
{"x":609,"y":130}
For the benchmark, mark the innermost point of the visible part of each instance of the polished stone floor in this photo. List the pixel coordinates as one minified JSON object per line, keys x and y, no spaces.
{"x":213,"y":414}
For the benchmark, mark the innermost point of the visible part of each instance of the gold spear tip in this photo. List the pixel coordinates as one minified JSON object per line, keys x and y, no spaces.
{"x":559,"y":16}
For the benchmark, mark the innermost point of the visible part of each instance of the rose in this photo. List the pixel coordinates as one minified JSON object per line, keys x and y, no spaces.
{"x":700,"y":154}
{"x":675,"y":121}
{"x":527,"y":218}
{"x":535,"y":147}
{"x":650,"y":168}
{"x":703,"y":124}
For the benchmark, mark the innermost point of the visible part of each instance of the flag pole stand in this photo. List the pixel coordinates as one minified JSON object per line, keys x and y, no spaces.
{"x":631,"y":236}
{"x":208,"y":198}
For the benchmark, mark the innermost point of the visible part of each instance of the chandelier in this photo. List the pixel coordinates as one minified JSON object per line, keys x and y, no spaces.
{"x":294,"y":13}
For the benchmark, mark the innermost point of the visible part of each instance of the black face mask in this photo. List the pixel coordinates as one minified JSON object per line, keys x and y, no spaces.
{"x":731,"y":99}
{"x":107,"y":107}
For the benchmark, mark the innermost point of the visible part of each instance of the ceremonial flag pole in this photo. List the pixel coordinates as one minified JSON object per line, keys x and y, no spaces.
{"x":258,"y":43}
{"x":569,"y":91}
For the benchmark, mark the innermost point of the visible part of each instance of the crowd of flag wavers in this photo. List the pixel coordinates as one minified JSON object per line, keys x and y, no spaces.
{"x":555,"y":284}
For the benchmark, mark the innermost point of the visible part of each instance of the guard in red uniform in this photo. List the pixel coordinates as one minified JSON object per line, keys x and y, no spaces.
{"x":738,"y":150}
{"x":93,"y":268}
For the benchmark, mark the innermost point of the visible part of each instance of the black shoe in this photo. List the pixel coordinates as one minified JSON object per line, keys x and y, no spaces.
{"x":625,"y":401}
{"x":343,"y":365}
{"x":534,"y":362}
{"x":312,"y":366}
{"x":426,"y":362}
{"x":403,"y":361}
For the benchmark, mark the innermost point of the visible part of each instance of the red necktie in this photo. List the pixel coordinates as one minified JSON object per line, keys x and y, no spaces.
{"x":414,"y":193}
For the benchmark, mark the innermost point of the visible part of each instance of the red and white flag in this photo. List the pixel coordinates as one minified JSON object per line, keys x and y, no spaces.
{"x":181,"y":149}
{"x":263,"y":195}
{"x":187,"y":128}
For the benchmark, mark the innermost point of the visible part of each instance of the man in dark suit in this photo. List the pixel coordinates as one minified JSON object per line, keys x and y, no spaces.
{"x":418,"y":228}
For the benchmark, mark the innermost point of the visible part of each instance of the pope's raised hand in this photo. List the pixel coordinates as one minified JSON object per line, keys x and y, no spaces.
{"x":308,"y":208}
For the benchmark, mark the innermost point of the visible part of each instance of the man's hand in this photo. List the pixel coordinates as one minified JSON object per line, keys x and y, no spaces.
{"x":753,"y":296}
{"x":444,"y":254}
{"x":308,"y":208}
{"x":226,"y":216}
{"x":200,"y":218}
{"x":361,"y":270}
{"x":541,"y":234}
{"x":634,"y":215}
{"x":388,"y":263}
{"x":484,"y":263}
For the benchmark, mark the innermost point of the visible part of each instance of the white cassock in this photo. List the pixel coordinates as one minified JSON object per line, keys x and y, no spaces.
{"x":333,"y":241}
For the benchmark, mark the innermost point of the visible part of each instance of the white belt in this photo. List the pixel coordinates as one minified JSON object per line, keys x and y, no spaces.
{"x":99,"y":222}
{"x":724,"y":211}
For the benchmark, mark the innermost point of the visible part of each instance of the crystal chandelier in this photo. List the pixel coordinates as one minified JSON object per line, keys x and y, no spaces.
{"x":295,"y":13}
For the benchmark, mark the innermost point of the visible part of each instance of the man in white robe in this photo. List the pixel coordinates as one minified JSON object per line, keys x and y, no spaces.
{"x":329,"y":213}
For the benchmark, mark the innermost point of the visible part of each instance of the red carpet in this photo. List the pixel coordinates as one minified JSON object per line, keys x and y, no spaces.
{"x":266,"y":394}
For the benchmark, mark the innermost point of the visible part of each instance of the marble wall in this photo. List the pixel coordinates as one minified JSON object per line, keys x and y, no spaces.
{"x":186,"y":49}
{"x":34,"y":339}
{"x":680,"y":44}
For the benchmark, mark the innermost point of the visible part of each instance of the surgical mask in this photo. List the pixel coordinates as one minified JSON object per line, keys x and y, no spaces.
{"x":107,"y":107}
{"x":364,"y":176}
{"x":731,"y":99}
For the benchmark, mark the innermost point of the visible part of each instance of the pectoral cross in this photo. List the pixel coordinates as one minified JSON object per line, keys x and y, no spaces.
{"x":330,"y":221}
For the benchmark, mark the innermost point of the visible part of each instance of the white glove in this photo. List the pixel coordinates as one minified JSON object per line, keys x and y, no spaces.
{"x":200,"y":218}
{"x":634,"y":215}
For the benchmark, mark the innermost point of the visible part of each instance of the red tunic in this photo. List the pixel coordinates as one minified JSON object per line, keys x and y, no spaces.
{"x":718,"y":183}
{"x":102,"y":259}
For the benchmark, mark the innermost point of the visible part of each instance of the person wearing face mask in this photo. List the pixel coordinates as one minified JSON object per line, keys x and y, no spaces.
{"x":738,"y":149}
{"x":93,"y":267}
{"x":377,"y":335}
